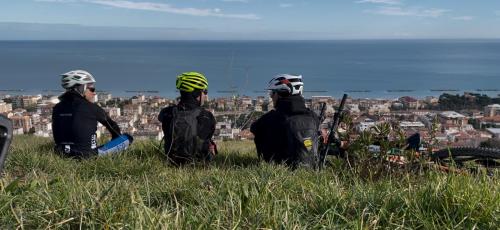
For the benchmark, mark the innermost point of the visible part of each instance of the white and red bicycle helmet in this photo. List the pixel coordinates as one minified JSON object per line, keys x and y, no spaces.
{"x":287,"y":83}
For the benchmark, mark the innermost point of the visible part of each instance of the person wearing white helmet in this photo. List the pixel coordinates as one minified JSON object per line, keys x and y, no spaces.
{"x":75,"y":117}
{"x":79,"y":80}
{"x":288,"y":134}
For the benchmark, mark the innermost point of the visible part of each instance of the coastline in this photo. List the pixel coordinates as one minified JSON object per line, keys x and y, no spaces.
{"x":355,"y":94}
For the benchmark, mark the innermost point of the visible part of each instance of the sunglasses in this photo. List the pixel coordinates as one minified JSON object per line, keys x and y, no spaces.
{"x":91,"y":89}
{"x":205,"y":91}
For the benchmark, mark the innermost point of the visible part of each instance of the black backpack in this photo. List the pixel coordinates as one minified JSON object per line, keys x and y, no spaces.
{"x":302,"y":140}
{"x":183,"y":144}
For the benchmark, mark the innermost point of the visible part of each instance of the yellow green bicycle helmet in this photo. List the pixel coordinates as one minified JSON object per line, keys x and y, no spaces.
{"x":190,"y":81}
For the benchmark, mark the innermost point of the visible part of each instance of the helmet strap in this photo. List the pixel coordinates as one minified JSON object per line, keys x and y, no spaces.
{"x":191,"y":96}
{"x":80,"y":89}
{"x":197,"y":94}
{"x":284,"y":94}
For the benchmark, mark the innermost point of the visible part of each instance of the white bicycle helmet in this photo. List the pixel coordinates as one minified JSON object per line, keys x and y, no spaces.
{"x":289,"y":83}
{"x":76,"y":77}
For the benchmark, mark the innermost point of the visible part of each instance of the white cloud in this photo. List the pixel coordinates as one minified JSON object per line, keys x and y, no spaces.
{"x":415,"y":12}
{"x":61,"y":1}
{"x":402,"y":34}
{"x":162,"y":7}
{"x":463,"y":18}
{"x":388,"y":2}
{"x":245,"y":1}
{"x":286,"y":5}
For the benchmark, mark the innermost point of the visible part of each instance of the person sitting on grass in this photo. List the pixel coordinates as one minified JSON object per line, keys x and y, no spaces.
{"x":187,"y":127}
{"x":289,"y":133}
{"x":75,"y":117}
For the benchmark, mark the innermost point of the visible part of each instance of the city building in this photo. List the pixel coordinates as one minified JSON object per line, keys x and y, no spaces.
{"x":132,"y":109}
{"x":411,"y":125}
{"x":20,"y":120}
{"x":104,"y":97}
{"x":5,"y":107}
{"x":113,"y":111}
{"x":26,"y":101}
{"x":409,"y":102}
{"x":453,"y":120}
{"x":365,"y":125}
{"x":489,"y":122}
{"x":138,"y":116}
{"x":43,"y":128}
{"x":492,"y":110}
{"x":495,"y":132}
{"x":379,"y":109}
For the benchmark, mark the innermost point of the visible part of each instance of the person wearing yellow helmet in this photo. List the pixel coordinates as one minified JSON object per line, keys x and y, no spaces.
{"x":191,"y":81}
{"x":187,"y":127}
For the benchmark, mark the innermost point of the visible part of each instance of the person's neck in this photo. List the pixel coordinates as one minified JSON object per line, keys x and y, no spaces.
{"x":290,"y":103}
{"x":189,"y":102}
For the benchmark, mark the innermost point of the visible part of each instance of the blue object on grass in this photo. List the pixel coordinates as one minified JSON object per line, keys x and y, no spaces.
{"x":116,"y":145}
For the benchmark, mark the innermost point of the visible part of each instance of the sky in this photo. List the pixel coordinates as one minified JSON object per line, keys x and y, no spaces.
{"x":248,"y":19}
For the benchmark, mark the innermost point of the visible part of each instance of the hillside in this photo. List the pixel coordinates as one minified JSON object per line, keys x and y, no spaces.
{"x":138,"y":190}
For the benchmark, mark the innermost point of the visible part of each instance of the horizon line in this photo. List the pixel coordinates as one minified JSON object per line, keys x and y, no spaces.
{"x":262,"y":40}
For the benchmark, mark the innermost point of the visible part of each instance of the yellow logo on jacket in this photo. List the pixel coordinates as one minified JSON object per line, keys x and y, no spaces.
{"x":308,"y":144}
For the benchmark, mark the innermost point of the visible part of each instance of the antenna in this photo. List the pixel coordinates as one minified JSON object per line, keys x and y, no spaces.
{"x":229,"y":73}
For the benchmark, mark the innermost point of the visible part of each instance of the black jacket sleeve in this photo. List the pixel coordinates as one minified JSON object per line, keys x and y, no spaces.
{"x":206,"y":128}
{"x":162,"y":114}
{"x":104,"y":119}
{"x":257,"y":129}
{"x":254,"y":127}
{"x":165,"y":117}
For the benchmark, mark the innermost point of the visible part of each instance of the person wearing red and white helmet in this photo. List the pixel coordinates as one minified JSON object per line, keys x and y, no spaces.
{"x":286,"y":84}
{"x":75,"y":118}
{"x":270,"y":130}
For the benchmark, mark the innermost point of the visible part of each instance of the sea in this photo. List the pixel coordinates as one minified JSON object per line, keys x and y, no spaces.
{"x":360,"y":68}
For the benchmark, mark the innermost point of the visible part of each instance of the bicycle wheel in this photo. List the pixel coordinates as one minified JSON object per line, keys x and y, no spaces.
{"x":468,"y":156}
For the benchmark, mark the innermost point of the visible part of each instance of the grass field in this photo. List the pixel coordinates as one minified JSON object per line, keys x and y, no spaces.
{"x":138,"y":190}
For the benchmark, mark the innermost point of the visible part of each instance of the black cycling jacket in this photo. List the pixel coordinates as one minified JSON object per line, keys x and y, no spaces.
{"x":74,"y":124}
{"x":205,"y":127}
{"x":270,"y":130}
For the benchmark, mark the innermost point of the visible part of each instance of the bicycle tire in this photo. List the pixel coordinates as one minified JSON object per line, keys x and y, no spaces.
{"x":488,"y":157}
